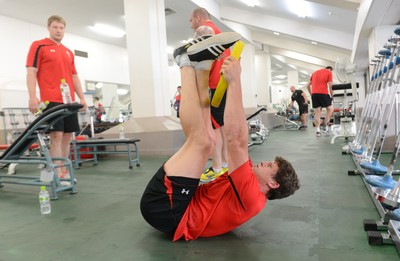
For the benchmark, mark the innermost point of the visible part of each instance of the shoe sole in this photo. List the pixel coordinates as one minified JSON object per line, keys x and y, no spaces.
{"x":212,"y":47}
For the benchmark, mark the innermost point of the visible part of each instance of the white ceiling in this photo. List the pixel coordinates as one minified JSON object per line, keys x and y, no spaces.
{"x":331,"y":24}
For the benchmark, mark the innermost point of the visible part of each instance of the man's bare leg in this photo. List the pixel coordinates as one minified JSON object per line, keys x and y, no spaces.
{"x":329,"y":112}
{"x":317,"y":118}
{"x":56,"y":149}
{"x":66,"y":148}
{"x":217,"y":152}
{"x":190,"y":159}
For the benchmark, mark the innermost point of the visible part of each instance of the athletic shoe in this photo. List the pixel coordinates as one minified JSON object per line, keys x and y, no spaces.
{"x":212,"y":47}
{"x":302,"y":127}
{"x":65,"y":183}
{"x":183,"y":48}
{"x":318,"y":133}
{"x":210,"y":175}
{"x":326,"y":130}
{"x":66,"y":176}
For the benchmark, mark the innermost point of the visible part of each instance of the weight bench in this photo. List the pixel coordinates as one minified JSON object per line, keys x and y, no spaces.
{"x":35,"y":132}
{"x":93,"y":145}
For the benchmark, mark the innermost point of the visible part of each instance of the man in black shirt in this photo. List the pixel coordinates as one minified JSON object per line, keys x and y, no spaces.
{"x":301,"y":98}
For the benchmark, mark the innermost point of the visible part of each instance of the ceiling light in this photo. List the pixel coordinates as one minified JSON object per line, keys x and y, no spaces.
{"x":277,"y":81}
{"x":122,"y":91}
{"x":312,"y":42}
{"x":276,"y":33}
{"x":251,"y":3}
{"x":281,"y":76}
{"x":299,"y":7}
{"x":108,"y":30}
{"x":99,"y":85}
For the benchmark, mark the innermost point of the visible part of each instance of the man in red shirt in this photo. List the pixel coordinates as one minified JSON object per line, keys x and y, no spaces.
{"x":200,"y":22}
{"x":173,"y":202}
{"x":177,"y":100}
{"x":48,"y":62}
{"x":320,"y":88}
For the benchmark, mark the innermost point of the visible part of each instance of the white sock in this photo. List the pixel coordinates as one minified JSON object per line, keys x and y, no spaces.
{"x":224,"y":165}
{"x":216,"y":170}
{"x":183,"y":60}
{"x":318,"y":129}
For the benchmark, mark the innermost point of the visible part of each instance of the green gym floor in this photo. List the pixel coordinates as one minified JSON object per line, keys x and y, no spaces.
{"x":322,"y":221}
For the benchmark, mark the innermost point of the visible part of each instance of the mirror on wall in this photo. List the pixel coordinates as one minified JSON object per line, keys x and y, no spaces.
{"x":115,"y":98}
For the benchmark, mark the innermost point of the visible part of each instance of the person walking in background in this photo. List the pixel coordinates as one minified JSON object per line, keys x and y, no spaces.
{"x":320,"y":88}
{"x":177,"y":102}
{"x":48,"y":62}
{"x":200,"y":21}
{"x":100,"y":110}
{"x":301,"y":98}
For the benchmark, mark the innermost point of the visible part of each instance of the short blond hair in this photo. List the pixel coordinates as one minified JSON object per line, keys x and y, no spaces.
{"x":56,"y":18}
{"x":202,"y":12}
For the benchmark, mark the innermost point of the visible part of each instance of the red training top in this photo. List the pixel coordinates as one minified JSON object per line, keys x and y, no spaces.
{"x":54,"y":62}
{"x":215,"y":209}
{"x":319,"y":81}
{"x":215,"y":72}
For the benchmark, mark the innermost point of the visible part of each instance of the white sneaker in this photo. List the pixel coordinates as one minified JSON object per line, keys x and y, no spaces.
{"x":65,"y":183}
{"x":67,"y":176}
{"x":212,"y":47}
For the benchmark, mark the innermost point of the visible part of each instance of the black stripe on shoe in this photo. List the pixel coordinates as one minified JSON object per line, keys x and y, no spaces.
{"x":183,"y":48}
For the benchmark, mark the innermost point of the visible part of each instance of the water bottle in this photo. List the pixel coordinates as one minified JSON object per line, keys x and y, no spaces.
{"x":10,"y":139}
{"x":121,"y":132}
{"x":65,"y":92}
{"x":44,"y":200}
{"x":41,"y":107}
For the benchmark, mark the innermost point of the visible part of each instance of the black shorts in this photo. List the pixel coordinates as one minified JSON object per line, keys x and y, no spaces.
{"x":68,"y":124}
{"x":303,"y":109}
{"x":217,"y":114}
{"x":321,"y":100}
{"x":166,"y":199}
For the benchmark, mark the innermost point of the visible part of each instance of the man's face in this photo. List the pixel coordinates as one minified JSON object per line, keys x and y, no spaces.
{"x":56,"y":30}
{"x":194,"y":22}
{"x":266,"y":170}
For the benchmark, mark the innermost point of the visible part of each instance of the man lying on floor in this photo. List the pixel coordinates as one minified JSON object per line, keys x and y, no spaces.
{"x":173,"y":201}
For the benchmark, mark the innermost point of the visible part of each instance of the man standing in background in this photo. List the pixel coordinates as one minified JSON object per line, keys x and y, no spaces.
{"x":320,"y":88}
{"x":47,"y":63}
{"x":200,"y":21}
{"x":301,"y":98}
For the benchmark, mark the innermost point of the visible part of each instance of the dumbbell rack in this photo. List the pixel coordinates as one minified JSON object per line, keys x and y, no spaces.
{"x":13,"y":128}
